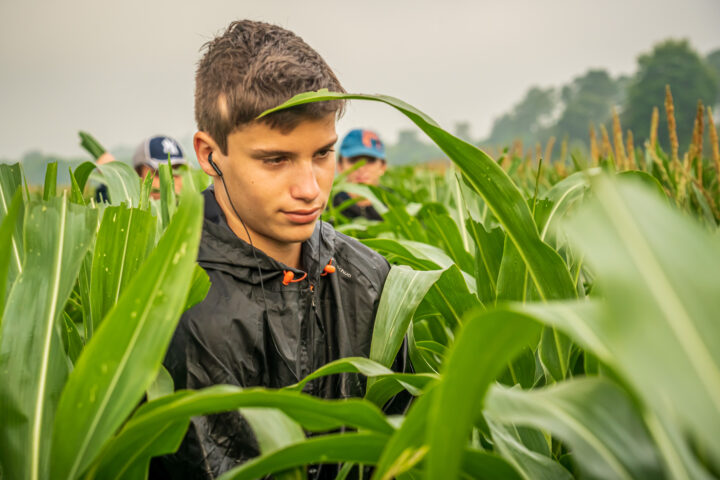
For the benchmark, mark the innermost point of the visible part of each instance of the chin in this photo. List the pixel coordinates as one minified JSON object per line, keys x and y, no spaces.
{"x":299,"y":233}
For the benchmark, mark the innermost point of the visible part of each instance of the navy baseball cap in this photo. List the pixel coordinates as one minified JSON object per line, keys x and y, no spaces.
{"x":154,"y":151}
{"x":362,"y":142}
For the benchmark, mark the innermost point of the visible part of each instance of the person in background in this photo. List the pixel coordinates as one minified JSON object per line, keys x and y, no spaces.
{"x":361,"y":145}
{"x":149,"y":155}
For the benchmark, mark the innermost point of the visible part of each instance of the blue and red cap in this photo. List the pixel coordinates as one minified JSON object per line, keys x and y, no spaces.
{"x":360,"y":142}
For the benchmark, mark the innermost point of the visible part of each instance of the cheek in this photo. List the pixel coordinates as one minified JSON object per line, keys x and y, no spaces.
{"x":325,"y":174}
{"x":255,"y":194}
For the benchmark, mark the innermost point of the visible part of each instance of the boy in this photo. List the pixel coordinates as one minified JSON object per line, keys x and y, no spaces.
{"x":361,"y":145}
{"x":289,"y":293}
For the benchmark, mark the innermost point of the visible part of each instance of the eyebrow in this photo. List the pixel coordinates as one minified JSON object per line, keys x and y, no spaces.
{"x":262,"y":153}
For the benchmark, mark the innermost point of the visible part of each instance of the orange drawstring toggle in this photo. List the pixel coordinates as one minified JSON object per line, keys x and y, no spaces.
{"x":288,"y":277}
{"x":329,"y":268}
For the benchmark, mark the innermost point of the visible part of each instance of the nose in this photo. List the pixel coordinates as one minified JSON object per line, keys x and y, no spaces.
{"x":305,"y":186}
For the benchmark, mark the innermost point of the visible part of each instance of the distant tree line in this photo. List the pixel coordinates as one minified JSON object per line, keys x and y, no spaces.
{"x":567,"y":112}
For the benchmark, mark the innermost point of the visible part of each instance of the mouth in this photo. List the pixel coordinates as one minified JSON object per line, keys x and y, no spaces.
{"x":303,"y":216}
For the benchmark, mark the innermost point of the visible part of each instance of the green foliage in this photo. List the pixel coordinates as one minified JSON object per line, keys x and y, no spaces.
{"x":56,"y":252}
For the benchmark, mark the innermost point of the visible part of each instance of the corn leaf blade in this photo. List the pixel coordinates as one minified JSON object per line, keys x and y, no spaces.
{"x":33,"y":366}
{"x":121,"y":361}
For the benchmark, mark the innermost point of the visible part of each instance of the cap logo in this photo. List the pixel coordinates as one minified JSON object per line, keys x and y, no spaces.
{"x":368,"y":137}
{"x":169,"y":146}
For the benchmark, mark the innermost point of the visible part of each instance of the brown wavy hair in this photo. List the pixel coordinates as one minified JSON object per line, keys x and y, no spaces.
{"x":252,"y":67}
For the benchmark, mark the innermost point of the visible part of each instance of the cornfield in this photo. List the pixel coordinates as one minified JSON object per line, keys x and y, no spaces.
{"x":560,"y":317}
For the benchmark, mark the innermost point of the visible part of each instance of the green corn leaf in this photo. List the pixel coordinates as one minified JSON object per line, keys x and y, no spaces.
{"x":82,"y":173}
{"x":122,"y":182}
{"x":450,"y":297}
{"x":72,"y":338}
{"x":657,"y":271}
{"x":481,"y":465}
{"x":407,"y":441}
{"x":161,"y":386}
{"x":512,"y":282}
{"x":365,"y":366}
{"x":560,"y":198}
{"x":522,"y":370}
{"x":533,"y":465}
{"x":10,"y":182}
{"x":432,"y":347}
{"x":199,"y":288}
{"x":403,"y":291}
{"x":50,"y":189}
{"x":647,"y":180}
{"x":121,"y":361}
{"x":167,"y":193}
{"x":273,"y":431}
{"x":592,"y":416}
{"x":386,"y":383}
{"x":312,"y":413}
{"x":443,"y":228}
{"x":7,"y":231}
{"x":384,"y":387}
{"x":554,"y":352}
{"x":416,"y":255}
{"x":398,"y":218}
{"x":361,"y":448}
{"x":83,"y":285}
{"x":488,"y":253}
{"x":124,"y":240}
{"x":364,"y":191}
{"x":164,"y":440}
{"x":486,"y":343}
{"x":76,"y":193}
{"x":33,"y":366}
{"x":554,"y":348}
{"x":407,"y":448}
{"x":145,"y":190}
{"x":92,"y":146}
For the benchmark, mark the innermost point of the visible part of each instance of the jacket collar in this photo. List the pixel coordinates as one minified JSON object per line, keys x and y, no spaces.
{"x":221,"y":249}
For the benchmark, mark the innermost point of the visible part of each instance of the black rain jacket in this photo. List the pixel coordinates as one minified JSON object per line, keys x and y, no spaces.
{"x":242,"y":335}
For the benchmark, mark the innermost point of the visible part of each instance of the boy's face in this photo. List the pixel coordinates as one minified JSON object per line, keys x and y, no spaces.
{"x":279,"y":182}
{"x":369,"y":173}
{"x":155,"y":192}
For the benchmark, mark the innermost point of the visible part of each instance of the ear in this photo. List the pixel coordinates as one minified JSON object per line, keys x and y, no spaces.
{"x":204,"y":145}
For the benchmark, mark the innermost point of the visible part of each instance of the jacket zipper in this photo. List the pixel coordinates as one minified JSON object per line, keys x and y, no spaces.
{"x":310,"y":339}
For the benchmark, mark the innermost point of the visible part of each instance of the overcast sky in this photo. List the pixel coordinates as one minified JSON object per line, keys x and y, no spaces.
{"x":124,"y":70}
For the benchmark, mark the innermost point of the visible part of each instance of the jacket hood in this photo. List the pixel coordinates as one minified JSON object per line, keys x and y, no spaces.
{"x":220,"y":249}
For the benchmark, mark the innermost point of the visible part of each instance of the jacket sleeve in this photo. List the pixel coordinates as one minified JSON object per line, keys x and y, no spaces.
{"x":213,"y":444}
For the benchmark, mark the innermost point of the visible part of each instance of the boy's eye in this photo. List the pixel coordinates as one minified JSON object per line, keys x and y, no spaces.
{"x":274,"y":161}
{"x":325,"y":153}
